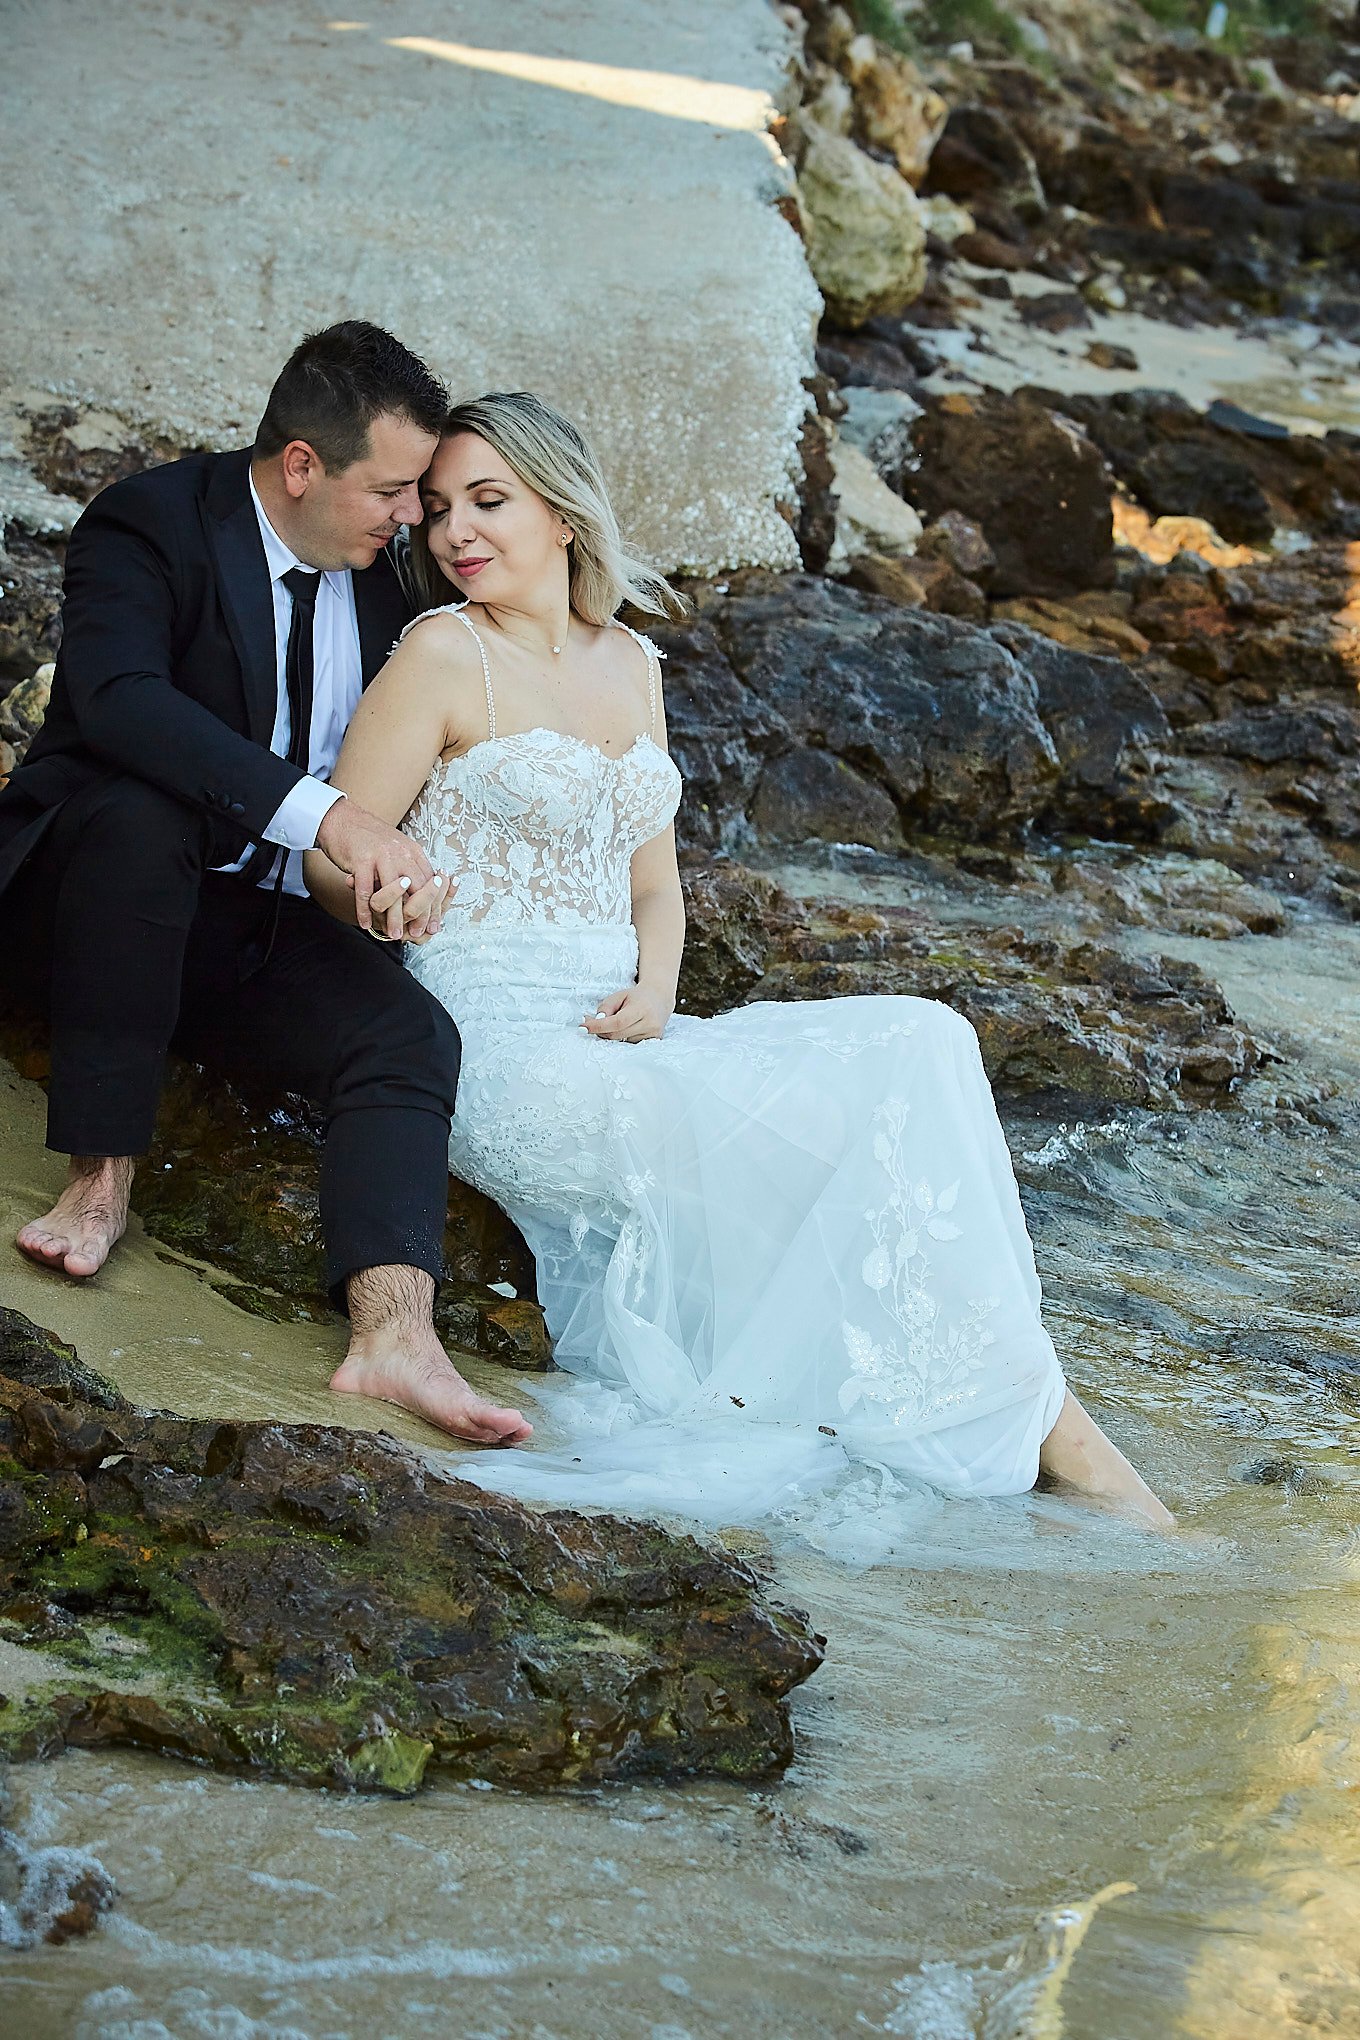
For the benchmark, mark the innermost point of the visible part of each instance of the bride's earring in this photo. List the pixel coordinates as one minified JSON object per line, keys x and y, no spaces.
{"x":564,"y":538}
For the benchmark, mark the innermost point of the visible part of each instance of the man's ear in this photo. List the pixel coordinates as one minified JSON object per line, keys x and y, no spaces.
{"x":300,"y":466}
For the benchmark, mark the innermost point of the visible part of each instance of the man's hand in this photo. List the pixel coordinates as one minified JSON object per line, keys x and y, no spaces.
{"x":410,"y":915}
{"x":374,"y":855}
{"x":633,"y":1015}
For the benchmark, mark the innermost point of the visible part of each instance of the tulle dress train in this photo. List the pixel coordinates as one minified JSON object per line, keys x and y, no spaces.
{"x":768,"y":1244}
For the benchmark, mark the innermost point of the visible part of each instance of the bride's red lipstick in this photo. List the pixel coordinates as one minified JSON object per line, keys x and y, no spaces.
{"x":469,"y":567}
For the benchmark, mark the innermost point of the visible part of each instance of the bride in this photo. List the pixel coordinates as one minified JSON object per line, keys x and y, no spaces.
{"x":767,"y":1244}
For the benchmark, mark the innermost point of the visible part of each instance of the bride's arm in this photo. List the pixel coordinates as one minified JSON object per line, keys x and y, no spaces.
{"x":640,"y":1013}
{"x":404,"y":720}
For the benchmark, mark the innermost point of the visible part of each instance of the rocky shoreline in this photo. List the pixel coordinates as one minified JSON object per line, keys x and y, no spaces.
{"x":1067,"y":672}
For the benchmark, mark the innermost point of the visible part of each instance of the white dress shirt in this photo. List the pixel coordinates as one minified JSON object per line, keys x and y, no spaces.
{"x":337,"y":683}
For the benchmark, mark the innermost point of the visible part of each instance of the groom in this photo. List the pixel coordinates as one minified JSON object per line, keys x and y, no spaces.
{"x":222,"y":616}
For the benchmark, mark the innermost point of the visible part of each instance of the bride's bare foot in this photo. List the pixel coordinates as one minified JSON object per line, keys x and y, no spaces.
{"x":395,"y":1356}
{"x":87,"y":1220}
{"x":1077,"y":1453}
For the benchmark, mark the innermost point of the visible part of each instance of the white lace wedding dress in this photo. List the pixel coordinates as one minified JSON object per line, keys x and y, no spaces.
{"x":766,"y":1243}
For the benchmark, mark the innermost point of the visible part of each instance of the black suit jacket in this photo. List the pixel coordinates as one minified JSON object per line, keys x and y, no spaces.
{"x":167,"y":667}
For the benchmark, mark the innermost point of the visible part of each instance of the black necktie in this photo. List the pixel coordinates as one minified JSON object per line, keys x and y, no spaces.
{"x":298,"y":664}
{"x":298,"y":669}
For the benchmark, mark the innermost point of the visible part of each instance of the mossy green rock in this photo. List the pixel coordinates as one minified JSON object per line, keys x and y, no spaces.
{"x":319,"y":1606}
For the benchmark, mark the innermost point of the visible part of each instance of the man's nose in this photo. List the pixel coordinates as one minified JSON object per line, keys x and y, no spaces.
{"x":409,"y":508}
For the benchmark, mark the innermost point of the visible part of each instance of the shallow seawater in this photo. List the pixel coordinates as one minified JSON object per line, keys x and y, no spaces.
{"x":1057,"y":1777}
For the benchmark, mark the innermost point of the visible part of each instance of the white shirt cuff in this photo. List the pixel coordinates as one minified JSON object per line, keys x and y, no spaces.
{"x":298,"y":818}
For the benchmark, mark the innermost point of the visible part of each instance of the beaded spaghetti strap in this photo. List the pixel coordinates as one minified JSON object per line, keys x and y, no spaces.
{"x":456,"y":609}
{"x":654,"y":657}
{"x":486,"y":671}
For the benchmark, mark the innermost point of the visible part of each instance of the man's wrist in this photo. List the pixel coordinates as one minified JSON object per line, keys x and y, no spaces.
{"x":336,"y":797}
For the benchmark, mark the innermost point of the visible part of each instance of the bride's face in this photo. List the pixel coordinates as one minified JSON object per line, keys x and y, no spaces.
{"x":489,"y":532}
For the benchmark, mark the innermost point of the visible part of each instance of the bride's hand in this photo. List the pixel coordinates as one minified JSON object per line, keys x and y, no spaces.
{"x":410,"y":915}
{"x":633,"y":1015}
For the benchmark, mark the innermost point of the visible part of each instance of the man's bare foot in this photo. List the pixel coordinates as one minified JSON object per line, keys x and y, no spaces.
{"x":87,"y":1220}
{"x":430,"y":1385}
{"x":395,"y":1356}
{"x":1077,"y":1453}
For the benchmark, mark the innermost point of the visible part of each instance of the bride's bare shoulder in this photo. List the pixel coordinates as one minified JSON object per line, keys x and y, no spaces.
{"x":440,"y":634}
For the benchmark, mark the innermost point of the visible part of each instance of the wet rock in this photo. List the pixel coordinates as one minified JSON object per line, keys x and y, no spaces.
{"x":735,"y":920}
{"x":1109,"y":731}
{"x":865,"y":235}
{"x":1039,"y":489}
{"x":933,"y":711}
{"x":810,"y":795}
{"x":232,"y":1181}
{"x":318,"y":1606}
{"x":1055,"y":1017}
{"x":49,"y":1894}
{"x":1179,"y":895}
{"x":39,"y":1359}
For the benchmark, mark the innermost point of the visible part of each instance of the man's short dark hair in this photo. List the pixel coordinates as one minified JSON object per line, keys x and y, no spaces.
{"x":337,"y":382}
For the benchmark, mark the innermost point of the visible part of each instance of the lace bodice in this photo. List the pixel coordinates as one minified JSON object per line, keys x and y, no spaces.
{"x":540,"y":826}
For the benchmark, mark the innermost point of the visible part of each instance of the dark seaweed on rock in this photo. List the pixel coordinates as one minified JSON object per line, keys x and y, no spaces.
{"x":318,"y":1606}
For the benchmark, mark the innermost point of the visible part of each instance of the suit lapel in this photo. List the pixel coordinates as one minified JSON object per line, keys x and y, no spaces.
{"x":243,"y":588}
{"x":381,"y":609}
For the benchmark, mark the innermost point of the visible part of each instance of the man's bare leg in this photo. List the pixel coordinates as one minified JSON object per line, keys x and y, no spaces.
{"x":87,"y":1220}
{"x":395,"y":1356}
{"x":1077,"y":1453}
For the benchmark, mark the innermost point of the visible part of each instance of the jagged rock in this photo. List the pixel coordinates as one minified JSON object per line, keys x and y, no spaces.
{"x":1068,"y":1019}
{"x":1186,"y":478}
{"x":865,"y":235}
{"x":1108,"y":729}
{"x":1097,"y":621}
{"x":980,"y":156}
{"x":721,"y":734}
{"x":989,"y":251}
{"x":1175,"y":459}
{"x":934,"y":712}
{"x":1039,"y":489}
{"x":317,"y":1606}
{"x":1179,"y":895}
{"x":736,"y":918}
{"x":810,"y":795}
{"x":920,"y":584}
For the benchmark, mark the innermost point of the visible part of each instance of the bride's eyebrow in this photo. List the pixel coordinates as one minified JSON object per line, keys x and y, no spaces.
{"x":488,"y":482}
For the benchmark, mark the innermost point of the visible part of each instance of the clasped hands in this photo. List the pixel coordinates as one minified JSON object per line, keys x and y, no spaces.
{"x":398,"y":894}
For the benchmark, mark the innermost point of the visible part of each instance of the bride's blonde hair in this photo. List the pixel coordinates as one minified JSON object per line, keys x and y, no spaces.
{"x":554,"y":460}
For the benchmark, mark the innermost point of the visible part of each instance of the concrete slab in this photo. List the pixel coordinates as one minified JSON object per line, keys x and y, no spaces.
{"x":570,"y":198}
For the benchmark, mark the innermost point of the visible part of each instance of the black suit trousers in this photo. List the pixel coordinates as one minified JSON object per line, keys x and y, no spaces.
{"x":133,"y":945}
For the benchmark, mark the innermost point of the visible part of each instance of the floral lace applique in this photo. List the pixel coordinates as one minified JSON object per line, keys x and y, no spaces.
{"x":916,"y":1375}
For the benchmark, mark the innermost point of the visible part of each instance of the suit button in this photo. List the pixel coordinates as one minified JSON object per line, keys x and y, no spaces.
{"x":237,"y":807}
